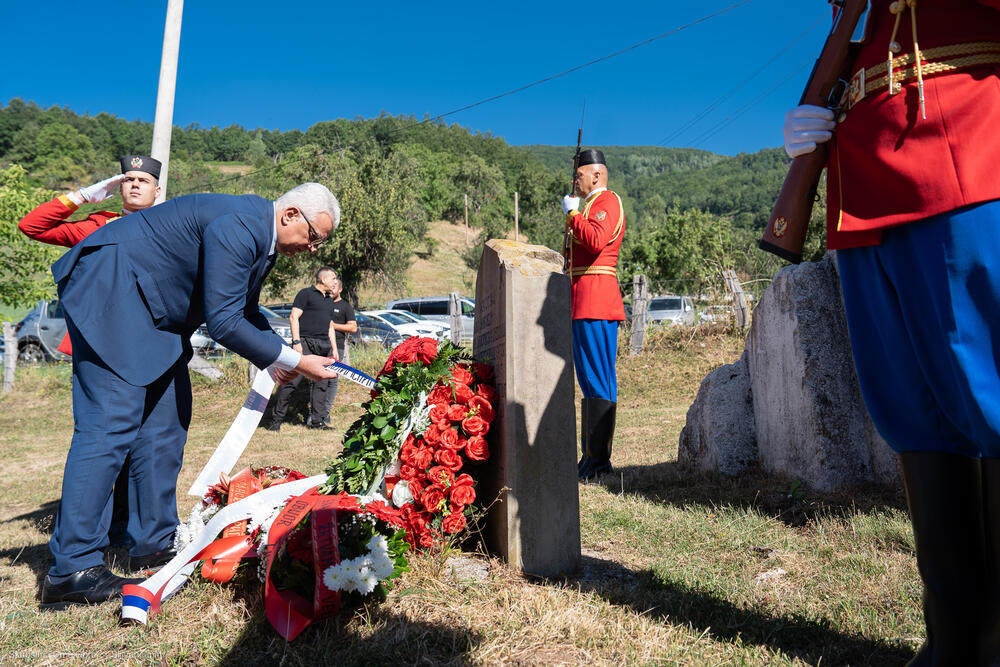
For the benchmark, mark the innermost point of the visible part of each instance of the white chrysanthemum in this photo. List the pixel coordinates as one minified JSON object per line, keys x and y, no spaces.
{"x":383,"y":567}
{"x":367,"y":584}
{"x":333,"y":578}
{"x":377,"y":544}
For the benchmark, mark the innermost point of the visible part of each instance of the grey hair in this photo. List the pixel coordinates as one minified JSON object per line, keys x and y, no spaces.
{"x":312,"y":199}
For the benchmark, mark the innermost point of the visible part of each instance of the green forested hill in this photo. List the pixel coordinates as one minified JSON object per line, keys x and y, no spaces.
{"x":690,"y":212}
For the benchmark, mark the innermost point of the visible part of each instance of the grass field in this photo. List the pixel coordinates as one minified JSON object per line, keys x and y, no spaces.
{"x":679,"y":567}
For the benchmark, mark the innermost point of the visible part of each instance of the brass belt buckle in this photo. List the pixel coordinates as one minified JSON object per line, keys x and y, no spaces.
{"x":856,"y":88}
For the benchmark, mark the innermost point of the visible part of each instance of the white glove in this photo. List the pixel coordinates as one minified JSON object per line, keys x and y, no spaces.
{"x":570,"y":203}
{"x":100,"y":191}
{"x":806,"y":126}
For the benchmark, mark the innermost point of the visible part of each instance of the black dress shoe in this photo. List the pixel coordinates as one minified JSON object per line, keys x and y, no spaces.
{"x":151,"y":561}
{"x":320,"y":426}
{"x":91,"y":586}
{"x":274,"y":426}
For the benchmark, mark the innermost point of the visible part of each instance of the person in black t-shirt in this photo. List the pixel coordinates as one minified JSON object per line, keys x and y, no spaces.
{"x":343,"y":322}
{"x":314,"y":332}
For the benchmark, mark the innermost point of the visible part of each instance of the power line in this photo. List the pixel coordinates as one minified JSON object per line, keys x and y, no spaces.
{"x":712,"y":131}
{"x":709,"y":109}
{"x":492,"y":98}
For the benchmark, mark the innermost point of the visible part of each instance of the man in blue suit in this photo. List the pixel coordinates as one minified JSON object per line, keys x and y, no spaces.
{"x":133,"y":294}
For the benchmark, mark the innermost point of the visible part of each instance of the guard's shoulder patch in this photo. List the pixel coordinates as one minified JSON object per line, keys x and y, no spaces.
{"x":601,"y":215}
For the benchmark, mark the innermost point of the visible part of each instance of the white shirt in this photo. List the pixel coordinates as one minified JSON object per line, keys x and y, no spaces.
{"x":288,"y":358}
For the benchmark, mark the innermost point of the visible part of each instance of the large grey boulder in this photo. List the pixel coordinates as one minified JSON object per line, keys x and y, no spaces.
{"x":808,"y":418}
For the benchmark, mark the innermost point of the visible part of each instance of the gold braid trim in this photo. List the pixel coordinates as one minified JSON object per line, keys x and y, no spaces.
{"x":593,"y":271}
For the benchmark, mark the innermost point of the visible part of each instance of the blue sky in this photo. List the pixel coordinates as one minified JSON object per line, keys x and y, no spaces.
{"x":249,"y":64}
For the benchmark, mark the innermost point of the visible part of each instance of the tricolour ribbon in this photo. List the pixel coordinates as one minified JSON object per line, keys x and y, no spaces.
{"x":143,"y":600}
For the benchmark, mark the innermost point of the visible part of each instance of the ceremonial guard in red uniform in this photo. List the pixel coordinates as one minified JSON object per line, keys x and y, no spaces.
{"x":913,"y":206}
{"x":593,"y":239}
{"x":48,"y":223}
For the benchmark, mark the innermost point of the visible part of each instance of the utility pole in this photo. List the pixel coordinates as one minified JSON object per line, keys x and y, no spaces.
{"x":164,"y":120}
{"x":516,"y":231}
{"x":466,"y":219}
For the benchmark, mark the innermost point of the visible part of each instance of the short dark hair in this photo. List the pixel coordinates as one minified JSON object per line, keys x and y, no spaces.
{"x":324,"y":269}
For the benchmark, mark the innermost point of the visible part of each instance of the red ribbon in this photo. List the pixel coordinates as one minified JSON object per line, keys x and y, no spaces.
{"x":289,"y":612}
{"x":224,"y":554}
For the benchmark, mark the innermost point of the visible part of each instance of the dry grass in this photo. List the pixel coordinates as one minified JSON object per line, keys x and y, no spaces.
{"x":678,"y":568}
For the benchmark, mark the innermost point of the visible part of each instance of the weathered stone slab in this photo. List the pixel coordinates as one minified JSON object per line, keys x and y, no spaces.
{"x":719,"y":432}
{"x":809,"y":420}
{"x":523,"y":327}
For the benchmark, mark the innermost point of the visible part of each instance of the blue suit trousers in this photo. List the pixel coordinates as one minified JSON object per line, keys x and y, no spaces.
{"x":114,"y":420}
{"x":923,"y":311}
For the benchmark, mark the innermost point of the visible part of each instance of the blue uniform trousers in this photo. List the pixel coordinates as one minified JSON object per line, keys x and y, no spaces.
{"x":595,"y":348}
{"x":112,"y":420}
{"x":923,"y":311}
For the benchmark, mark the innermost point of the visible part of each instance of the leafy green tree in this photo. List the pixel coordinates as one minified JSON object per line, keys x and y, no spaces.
{"x":24,"y":264}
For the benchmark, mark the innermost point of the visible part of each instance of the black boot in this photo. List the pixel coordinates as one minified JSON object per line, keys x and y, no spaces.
{"x":600,"y":427}
{"x":989,"y":647}
{"x":584,"y":465}
{"x":944,"y":492}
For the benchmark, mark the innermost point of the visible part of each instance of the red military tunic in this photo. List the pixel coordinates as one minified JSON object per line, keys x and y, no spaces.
{"x":595,"y":239}
{"x":890,"y":166}
{"x":47,"y":223}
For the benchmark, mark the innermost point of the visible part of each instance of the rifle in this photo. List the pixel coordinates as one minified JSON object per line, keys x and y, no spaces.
{"x":572,"y":178}
{"x":785,"y":233}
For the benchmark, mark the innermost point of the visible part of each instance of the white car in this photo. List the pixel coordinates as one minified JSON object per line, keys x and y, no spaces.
{"x":409,"y":324}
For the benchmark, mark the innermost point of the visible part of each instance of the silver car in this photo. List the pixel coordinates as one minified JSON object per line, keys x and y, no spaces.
{"x":436,"y":308}
{"x":670,"y":310}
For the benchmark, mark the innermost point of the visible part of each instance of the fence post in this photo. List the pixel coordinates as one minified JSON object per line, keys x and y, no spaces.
{"x":739,"y":298}
{"x":516,"y":227}
{"x":455,"y":311}
{"x":9,"y":357}
{"x":639,"y":296}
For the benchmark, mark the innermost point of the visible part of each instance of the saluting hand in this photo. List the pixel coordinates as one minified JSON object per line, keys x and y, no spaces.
{"x":101,"y":190}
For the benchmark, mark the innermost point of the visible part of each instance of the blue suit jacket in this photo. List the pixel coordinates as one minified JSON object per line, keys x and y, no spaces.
{"x":137,"y":288}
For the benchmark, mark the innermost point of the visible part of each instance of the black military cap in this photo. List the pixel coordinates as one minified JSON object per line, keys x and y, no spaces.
{"x":591,"y":156}
{"x":141,"y":163}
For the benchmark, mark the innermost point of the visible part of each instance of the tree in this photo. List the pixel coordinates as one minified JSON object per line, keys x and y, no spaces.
{"x":24,"y":264}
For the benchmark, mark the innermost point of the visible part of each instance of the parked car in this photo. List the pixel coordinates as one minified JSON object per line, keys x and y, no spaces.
{"x":372,"y":331}
{"x":43,"y":328}
{"x":280,"y":309}
{"x":436,"y":308}
{"x":409,"y":324}
{"x":670,"y":310}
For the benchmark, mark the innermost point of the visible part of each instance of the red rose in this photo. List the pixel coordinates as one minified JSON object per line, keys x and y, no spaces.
{"x":407,"y":451}
{"x":448,"y":458}
{"x":431,"y":498}
{"x":462,"y":494}
{"x":487,"y":392}
{"x":441,"y":393}
{"x":475,"y":425}
{"x":483,"y":372}
{"x":463,"y":479}
{"x":390,"y":484}
{"x":453,"y":523}
{"x":438,"y":412}
{"x":450,"y":439}
{"x":461,"y":374}
{"x":456,"y":412}
{"x":427,"y":349}
{"x":427,"y":539}
{"x":441,"y":475}
{"x":480,"y":406}
{"x":416,"y":489}
{"x":462,"y":393}
{"x":432,"y":435}
{"x":477,"y":449}
{"x":423,"y":457}
{"x":443,"y":425}
{"x":407,"y":472}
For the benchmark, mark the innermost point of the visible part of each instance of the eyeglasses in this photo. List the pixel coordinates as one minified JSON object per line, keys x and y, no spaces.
{"x":315,"y":240}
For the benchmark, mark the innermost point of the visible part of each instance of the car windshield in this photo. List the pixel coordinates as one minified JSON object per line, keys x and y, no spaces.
{"x":269,"y":314}
{"x":406,"y":315}
{"x":669,"y":303}
{"x":395,"y":318}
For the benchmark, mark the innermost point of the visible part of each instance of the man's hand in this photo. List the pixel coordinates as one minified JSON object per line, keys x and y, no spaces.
{"x":570,"y":203}
{"x":281,"y":376}
{"x":312,"y":366}
{"x":105,"y":189}
{"x":805,"y":126}
{"x":297,"y":347}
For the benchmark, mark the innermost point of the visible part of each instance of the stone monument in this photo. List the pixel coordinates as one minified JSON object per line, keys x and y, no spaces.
{"x":523,"y":327}
{"x":791,"y":403}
